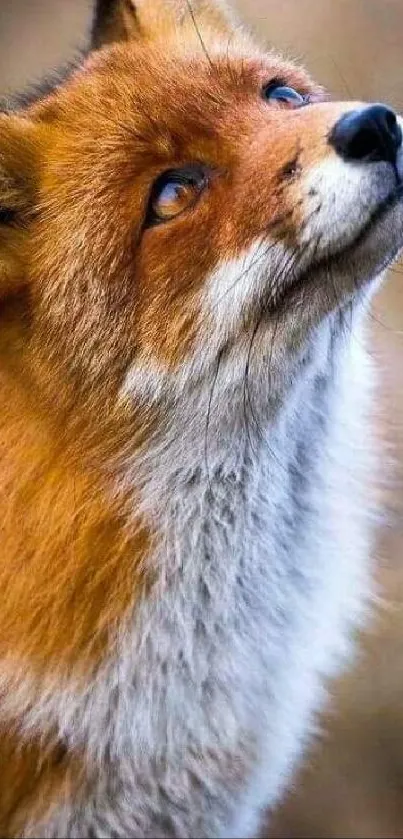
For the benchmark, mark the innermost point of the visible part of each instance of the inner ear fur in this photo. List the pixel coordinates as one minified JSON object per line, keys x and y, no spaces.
{"x":123,"y":20}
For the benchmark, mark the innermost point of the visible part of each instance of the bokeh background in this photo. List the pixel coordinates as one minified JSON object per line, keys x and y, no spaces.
{"x":352,"y":781}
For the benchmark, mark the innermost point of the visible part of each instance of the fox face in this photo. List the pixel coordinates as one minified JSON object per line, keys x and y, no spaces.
{"x":180,"y":187}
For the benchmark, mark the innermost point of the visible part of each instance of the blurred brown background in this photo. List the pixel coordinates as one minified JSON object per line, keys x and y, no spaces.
{"x":352,"y":784}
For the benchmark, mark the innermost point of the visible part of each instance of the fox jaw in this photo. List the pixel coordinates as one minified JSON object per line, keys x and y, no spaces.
{"x":189,"y":232}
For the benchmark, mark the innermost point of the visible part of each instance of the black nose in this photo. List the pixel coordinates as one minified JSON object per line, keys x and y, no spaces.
{"x":367,"y":135}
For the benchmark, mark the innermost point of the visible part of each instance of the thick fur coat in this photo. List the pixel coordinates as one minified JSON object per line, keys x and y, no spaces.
{"x":185,"y":449}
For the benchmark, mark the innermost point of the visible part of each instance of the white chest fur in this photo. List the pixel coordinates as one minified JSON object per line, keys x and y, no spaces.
{"x":261,"y":561}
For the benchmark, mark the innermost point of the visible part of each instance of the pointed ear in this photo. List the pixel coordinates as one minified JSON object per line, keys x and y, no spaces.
{"x":114,"y":21}
{"x":123,"y":20}
{"x":17,"y":194}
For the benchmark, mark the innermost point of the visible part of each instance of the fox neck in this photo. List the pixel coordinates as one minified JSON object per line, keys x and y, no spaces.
{"x":199,"y":489}
{"x":213,"y":434}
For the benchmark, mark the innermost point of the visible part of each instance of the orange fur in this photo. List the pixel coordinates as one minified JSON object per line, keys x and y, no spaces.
{"x":69,"y":563}
{"x":79,"y":299}
{"x":67,"y":557}
{"x":35,"y":778}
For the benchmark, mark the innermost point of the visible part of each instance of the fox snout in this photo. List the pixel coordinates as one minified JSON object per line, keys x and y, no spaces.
{"x":349,"y":188}
{"x":367,"y":135}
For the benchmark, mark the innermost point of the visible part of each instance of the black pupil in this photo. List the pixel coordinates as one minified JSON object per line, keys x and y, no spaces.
{"x":282,"y":93}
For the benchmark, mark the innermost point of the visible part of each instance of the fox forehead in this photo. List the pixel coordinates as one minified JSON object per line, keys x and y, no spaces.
{"x":135,"y":110}
{"x":166,"y":102}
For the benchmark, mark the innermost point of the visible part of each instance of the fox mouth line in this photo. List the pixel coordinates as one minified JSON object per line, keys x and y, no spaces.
{"x":338,"y":258}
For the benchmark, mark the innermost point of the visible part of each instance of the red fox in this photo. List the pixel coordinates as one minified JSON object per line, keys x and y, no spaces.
{"x":190,"y":234}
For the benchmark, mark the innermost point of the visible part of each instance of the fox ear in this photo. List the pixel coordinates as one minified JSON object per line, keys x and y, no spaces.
{"x":123,"y":20}
{"x":17,"y":190}
{"x":114,"y":21}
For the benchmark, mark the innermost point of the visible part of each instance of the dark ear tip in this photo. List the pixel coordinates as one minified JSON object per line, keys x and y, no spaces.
{"x":113,"y":21}
{"x":102,"y":12}
{"x":106,"y":25}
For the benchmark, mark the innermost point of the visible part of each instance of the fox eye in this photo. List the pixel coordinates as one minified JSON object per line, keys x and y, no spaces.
{"x":277,"y":92}
{"x":174,"y":192}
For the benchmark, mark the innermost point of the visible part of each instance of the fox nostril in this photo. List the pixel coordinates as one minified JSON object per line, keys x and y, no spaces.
{"x":371,"y":134}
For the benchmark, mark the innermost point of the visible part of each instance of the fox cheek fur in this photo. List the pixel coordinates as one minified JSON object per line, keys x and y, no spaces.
{"x":189,"y":236}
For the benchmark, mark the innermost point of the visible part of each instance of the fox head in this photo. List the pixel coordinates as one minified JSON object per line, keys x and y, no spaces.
{"x":179,"y":193}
